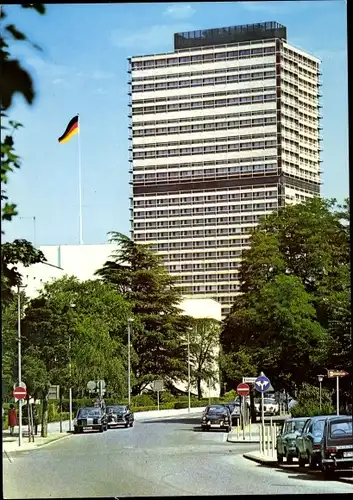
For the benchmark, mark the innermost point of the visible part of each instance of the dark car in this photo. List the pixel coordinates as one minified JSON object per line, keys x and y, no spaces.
{"x":90,"y":418}
{"x":308,"y":443}
{"x":337,"y":445}
{"x":286,"y":439}
{"x":216,"y":416}
{"x":120,"y":415}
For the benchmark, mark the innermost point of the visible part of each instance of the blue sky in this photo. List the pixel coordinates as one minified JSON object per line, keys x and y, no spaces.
{"x":83,"y":68}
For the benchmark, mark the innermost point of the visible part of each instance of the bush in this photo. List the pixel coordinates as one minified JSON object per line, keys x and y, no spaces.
{"x":143,"y":400}
{"x":230,"y":396}
{"x":312,"y":409}
{"x":308,"y":402}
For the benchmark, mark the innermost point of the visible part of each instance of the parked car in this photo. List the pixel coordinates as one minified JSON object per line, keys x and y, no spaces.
{"x":216,"y":416}
{"x":90,"y":418}
{"x":271,"y":408}
{"x":120,"y":415}
{"x":286,"y":439}
{"x":337,"y":445}
{"x":308,"y":443}
{"x":235,"y":415}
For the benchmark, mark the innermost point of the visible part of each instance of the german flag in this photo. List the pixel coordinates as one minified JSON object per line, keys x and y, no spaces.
{"x":70,"y":131}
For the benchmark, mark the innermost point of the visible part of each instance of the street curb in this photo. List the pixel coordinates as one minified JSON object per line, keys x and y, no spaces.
{"x":242,"y":441}
{"x":262,"y":461}
{"x":22,"y":450}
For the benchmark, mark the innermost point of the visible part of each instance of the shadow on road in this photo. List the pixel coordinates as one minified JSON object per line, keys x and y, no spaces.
{"x":305,"y":474}
{"x":186,"y":421}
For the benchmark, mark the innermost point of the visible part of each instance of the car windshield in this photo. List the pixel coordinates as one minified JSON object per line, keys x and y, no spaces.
{"x":294,"y":426}
{"x":269,"y":401}
{"x":89,"y":413}
{"x":318,"y":426}
{"x":341,"y":429}
{"x":216,"y":409}
{"x":116,"y":409}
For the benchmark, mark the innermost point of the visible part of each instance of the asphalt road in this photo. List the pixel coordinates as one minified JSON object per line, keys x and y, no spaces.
{"x":157,"y":458}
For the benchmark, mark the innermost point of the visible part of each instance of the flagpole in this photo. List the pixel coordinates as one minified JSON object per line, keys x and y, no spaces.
{"x":80,"y":179}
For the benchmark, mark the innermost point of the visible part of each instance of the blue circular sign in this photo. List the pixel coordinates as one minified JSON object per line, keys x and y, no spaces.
{"x":262,"y":383}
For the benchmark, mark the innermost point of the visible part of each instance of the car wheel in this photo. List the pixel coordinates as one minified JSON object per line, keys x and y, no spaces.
{"x":328,"y":473}
{"x":76,"y":431}
{"x":126,"y":425}
{"x":279,"y":458}
{"x":131,"y":424}
{"x":312,"y":462}
{"x":301,"y":461}
{"x":101,"y":429}
{"x":289,"y":459}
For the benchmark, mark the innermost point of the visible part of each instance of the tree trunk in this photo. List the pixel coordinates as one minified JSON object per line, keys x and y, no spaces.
{"x":45,"y":407}
{"x":199,"y":390}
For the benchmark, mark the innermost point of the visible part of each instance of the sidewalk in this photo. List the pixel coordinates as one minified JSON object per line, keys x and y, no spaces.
{"x":252,"y":434}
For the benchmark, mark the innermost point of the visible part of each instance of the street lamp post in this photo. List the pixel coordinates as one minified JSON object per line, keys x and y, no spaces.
{"x":189,"y":373}
{"x":320,"y":379}
{"x":129,"y":323}
{"x":19,"y":346}
{"x":70,"y":374}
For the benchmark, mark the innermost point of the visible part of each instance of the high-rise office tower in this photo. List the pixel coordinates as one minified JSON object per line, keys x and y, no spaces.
{"x":224,"y":130}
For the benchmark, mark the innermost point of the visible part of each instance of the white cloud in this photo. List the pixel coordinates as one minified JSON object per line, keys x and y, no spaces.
{"x":274,"y":8}
{"x":149,"y":38}
{"x":181,"y":11}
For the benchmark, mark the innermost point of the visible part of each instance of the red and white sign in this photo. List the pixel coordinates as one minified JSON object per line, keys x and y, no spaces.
{"x":243,"y":389}
{"x":20,"y":393}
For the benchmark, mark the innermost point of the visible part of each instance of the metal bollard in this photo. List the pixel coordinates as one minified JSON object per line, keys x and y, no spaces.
{"x":260,"y":443}
{"x":250,"y":429}
{"x":267,"y":440}
{"x":274,"y":442}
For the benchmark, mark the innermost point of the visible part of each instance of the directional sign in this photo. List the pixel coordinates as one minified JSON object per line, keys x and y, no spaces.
{"x":336,"y":373}
{"x":249,"y":380}
{"x":262,"y":383}
{"x":20,"y":393}
{"x":243,"y":389}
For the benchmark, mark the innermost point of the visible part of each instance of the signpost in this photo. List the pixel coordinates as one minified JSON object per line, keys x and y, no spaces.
{"x":158,"y":386}
{"x":101,"y":388}
{"x":91,"y":386}
{"x":337,"y":374}
{"x":262,"y":384}
{"x":20,"y":393}
{"x":243,"y":390}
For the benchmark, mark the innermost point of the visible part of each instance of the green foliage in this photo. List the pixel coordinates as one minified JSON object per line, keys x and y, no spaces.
{"x":158,"y":329}
{"x":308,"y":402}
{"x":143,"y":400}
{"x":14,"y":80}
{"x":293,"y":317}
{"x":204,"y":345}
{"x":12,"y":254}
{"x":230,"y":395}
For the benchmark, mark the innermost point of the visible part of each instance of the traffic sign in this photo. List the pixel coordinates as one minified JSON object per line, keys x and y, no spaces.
{"x":243,"y":389}
{"x":249,"y":380}
{"x":262,"y":383}
{"x":158,"y":385}
{"x":91,"y":385}
{"x":336,"y":373}
{"x":20,"y":393}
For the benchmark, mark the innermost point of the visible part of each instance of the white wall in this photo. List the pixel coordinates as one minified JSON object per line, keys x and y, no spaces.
{"x":75,"y":260}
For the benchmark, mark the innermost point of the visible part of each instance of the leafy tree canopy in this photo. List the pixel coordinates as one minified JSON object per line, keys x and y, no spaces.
{"x":139,"y":274}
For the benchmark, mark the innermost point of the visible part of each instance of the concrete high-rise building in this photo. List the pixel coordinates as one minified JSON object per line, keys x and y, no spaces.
{"x":224,"y":130}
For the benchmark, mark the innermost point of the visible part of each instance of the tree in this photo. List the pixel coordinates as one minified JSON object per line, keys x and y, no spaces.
{"x":204,"y":342}
{"x":19,"y":251}
{"x":14,"y":79}
{"x":79,"y":324}
{"x":159,"y":327}
{"x":295,"y":302}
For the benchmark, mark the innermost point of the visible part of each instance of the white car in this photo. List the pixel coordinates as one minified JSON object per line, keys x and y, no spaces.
{"x":271,"y":408}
